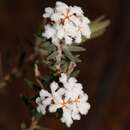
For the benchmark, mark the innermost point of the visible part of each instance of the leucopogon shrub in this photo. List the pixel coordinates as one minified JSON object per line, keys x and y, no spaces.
{"x":59,"y":41}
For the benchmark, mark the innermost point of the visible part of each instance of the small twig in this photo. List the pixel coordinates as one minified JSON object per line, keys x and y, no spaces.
{"x":36,"y":71}
{"x":40,"y":84}
{"x":34,"y":124}
{"x":71,"y":68}
{"x":37,"y":75}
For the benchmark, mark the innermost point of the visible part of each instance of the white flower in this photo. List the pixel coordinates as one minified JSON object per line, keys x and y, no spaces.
{"x":70,"y":97}
{"x":49,"y":32}
{"x":43,"y":101}
{"x":57,"y":97}
{"x":76,"y":10}
{"x":65,"y":12}
{"x":66,"y":118}
{"x":48,"y":12}
{"x":68,"y":25}
{"x":76,"y":97}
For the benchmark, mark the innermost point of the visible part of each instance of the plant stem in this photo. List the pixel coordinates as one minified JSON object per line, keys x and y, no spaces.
{"x":40,"y":84}
{"x":34,"y":124}
{"x":58,"y":58}
{"x":71,"y":68}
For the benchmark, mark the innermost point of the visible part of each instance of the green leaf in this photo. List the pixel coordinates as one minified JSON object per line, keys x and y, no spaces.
{"x":64,"y":66}
{"x":53,"y":67}
{"x":45,"y":62}
{"x":99,"y":19}
{"x":49,"y":46}
{"x":97,"y":34}
{"x":101,"y":25}
{"x":76,"y":48}
{"x":77,"y":60}
{"x":68,"y":54}
{"x":52,"y":56}
{"x":75,"y":73}
{"x":38,"y":40}
{"x":42,"y":52}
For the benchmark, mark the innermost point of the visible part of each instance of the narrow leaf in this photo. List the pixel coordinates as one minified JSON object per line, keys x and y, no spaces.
{"x":45,"y":62}
{"x":75,"y":73}
{"x":41,"y":51}
{"x":99,"y":19}
{"x":76,"y":48}
{"x":68,"y":54}
{"x":96,"y":26}
{"x":64,"y":67}
{"x":52,"y":56}
{"x":97,"y":34}
{"x":77,"y":59}
{"x":48,"y":46}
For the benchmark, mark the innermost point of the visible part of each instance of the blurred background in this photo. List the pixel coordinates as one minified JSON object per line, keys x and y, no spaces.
{"x":105,"y":70}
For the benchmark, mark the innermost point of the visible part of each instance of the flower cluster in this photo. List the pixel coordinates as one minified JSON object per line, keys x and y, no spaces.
{"x":70,"y":98}
{"x":67,"y":24}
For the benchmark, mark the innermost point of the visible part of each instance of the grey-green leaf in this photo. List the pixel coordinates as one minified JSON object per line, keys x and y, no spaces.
{"x":52,"y":56}
{"x":76,"y":48}
{"x":75,"y":73}
{"x":100,"y":25}
{"x":49,"y":46}
{"x":68,"y":54}
{"x":64,"y":66}
{"x":99,"y":19}
{"x":97,"y":34}
{"x":41,"y":51}
{"x":45,"y":62}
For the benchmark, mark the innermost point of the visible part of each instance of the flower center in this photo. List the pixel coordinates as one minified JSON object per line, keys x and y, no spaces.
{"x":67,"y":16}
{"x":64,"y":103}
